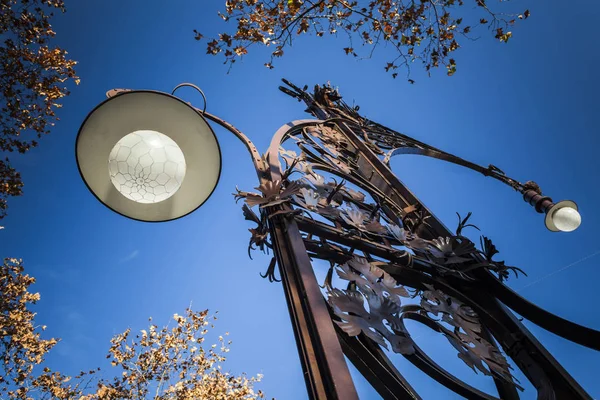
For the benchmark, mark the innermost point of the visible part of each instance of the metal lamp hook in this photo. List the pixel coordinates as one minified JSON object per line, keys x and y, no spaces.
{"x":195,"y":87}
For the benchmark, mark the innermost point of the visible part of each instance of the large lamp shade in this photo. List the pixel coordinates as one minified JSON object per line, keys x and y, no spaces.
{"x":148,"y":156}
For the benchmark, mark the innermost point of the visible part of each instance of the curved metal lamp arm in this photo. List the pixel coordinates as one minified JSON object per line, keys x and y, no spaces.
{"x":259,"y":163}
{"x":530,"y":190}
{"x":326,"y":104}
{"x":432,"y":152}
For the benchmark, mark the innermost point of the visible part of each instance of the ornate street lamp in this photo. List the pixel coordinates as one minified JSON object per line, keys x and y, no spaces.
{"x":152,"y":157}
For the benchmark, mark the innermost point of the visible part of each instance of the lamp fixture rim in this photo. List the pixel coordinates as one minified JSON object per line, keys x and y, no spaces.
{"x":124,"y":93}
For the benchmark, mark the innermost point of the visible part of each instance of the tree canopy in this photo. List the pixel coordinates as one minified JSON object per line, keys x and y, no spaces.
{"x":425,"y":31}
{"x":33,"y":77}
{"x":158,"y":363}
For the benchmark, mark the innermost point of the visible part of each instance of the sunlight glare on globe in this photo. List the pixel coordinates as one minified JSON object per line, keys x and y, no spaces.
{"x":146,"y":166}
{"x":566,"y":219}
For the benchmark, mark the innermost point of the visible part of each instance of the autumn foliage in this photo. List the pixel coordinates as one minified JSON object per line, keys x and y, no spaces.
{"x":33,"y":77}
{"x":157,"y":363}
{"x":425,"y":31}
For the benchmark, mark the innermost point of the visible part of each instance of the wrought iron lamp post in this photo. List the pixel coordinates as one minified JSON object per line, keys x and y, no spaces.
{"x":152,"y":157}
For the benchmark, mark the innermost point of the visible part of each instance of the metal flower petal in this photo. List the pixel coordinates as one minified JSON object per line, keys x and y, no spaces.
{"x":451,"y":249}
{"x":273,"y":194}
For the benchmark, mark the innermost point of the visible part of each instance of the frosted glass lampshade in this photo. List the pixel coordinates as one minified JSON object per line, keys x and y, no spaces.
{"x":146,"y":166}
{"x":563,"y":216}
{"x":148,"y":156}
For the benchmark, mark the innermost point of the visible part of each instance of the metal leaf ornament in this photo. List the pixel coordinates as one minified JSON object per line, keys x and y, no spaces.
{"x":494,"y":360}
{"x":463,"y":223}
{"x":322,"y":187}
{"x":376,"y":279}
{"x":354,"y":217}
{"x":384,"y":309}
{"x":328,"y":135}
{"x":289,"y":156}
{"x":375,"y":226}
{"x":299,"y":160}
{"x":360,"y":220}
{"x":348,"y":305}
{"x":310,"y":199}
{"x":391,"y":286}
{"x":489,"y":250}
{"x":416,"y":218}
{"x":453,"y":311}
{"x":260,"y":239}
{"x":398,"y":233}
{"x":354,"y":195}
{"x":345,"y":272}
{"x":479,"y":354}
{"x":364,"y":267}
{"x":333,"y":191}
{"x":407,"y":238}
{"x":383,"y":297}
{"x":464,"y":353}
{"x":270,"y":273}
{"x":306,"y":168}
{"x":250,"y":215}
{"x":338,"y":163}
{"x":466,"y":337}
{"x":259,"y":235}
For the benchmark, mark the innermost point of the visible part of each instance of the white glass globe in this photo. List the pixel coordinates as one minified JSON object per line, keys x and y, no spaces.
{"x":146,"y":166}
{"x":566,"y":219}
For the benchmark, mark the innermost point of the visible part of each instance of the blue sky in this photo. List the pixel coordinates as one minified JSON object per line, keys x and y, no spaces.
{"x":529,"y":107}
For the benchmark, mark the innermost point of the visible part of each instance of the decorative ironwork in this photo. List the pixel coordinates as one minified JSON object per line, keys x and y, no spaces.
{"x":380,"y":240}
{"x":335,"y":198}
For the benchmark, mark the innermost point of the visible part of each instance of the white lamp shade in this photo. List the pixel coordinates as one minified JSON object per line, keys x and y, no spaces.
{"x":183,"y":156}
{"x":563,"y":217}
